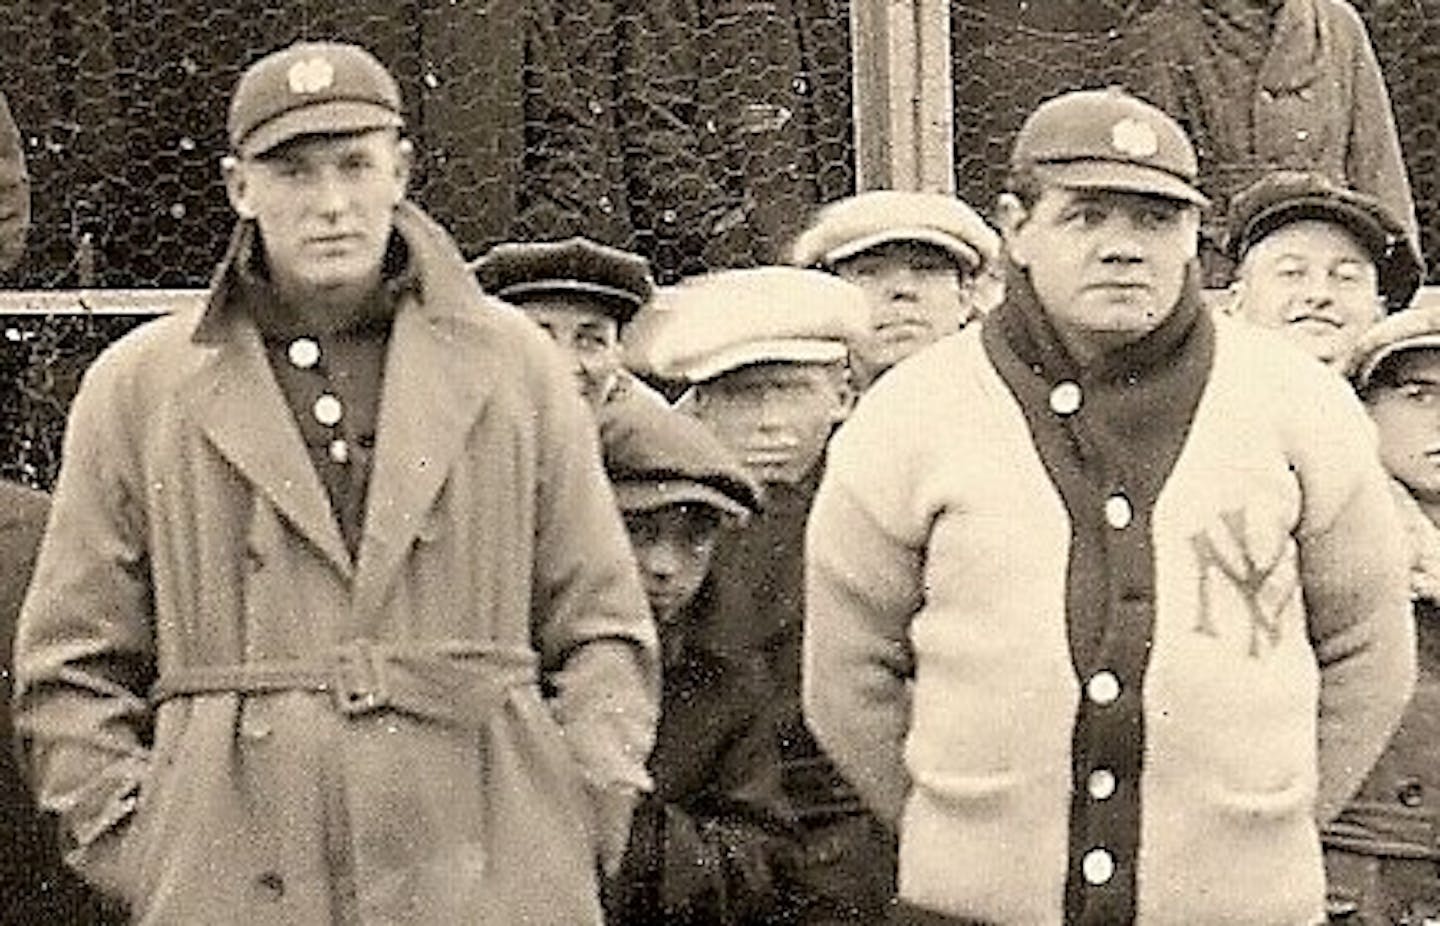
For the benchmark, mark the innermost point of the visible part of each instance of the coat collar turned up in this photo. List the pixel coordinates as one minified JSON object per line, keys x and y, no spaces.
{"x":439,"y":368}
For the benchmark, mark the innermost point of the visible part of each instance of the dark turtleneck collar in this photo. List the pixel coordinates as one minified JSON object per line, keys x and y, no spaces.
{"x":1137,"y":399}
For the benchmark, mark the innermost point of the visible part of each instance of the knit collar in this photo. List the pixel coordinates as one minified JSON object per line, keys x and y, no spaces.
{"x":1424,"y":539}
{"x":1138,"y":400}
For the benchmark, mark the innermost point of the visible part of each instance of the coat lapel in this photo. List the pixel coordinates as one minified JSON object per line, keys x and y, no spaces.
{"x":434,"y":390}
{"x":241,"y":412}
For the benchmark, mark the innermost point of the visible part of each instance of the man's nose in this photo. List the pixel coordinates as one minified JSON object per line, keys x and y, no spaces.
{"x":660,"y":558}
{"x":330,"y":194}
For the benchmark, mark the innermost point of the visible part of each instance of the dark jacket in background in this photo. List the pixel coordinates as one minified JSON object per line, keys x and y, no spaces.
{"x":840,"y":866}
{"x":35,"y":885}
{"x":702,"y":842}
{"x":1267,"y":84}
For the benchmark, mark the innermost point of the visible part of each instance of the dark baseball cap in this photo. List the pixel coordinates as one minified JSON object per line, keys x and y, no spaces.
{"x":1108,"y":140}
{"x":311,"y":88}
{"x":1285,"y":196}
{"x":657,"y":456}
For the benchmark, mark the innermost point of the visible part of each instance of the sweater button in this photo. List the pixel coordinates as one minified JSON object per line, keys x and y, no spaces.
{"x":1411,"y":793}
{"x":1101,"y":784}
{"x":1118,"y":512}
{"x":303,"y":353}
{"x":328,"y":410}
{"x":1103,"y":687}
{"x":1098,"y":866}
{"x":1065,"y":398}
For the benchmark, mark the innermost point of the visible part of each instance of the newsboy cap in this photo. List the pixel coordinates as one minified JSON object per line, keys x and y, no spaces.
{"x":865,"y":221}
{"x":1286,"y":196}
{"x":617,"y":281}
{"x":1415,"y":328}
{"x":657,"y":456}
{"x":1108,"y":140}
{"x":311,"y":88}
{"x":708,"y":325}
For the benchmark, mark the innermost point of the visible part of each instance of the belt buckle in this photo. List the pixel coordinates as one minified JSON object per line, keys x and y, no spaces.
{"x":359,"y":679}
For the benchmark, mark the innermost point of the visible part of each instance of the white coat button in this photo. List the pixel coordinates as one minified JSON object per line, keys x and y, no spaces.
{"x":1101,"y":784}
{"x":1065,"y":398}
{"x":1118,"y":512}
{"x":328,"y":410}
{"x":1103,"y":687}
{"x":339,"y":451}
{"x":1098,"y":866}
{"x":303,"y":353}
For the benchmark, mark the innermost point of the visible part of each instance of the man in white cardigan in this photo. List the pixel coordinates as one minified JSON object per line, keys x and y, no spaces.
{"x":1106,"y":599}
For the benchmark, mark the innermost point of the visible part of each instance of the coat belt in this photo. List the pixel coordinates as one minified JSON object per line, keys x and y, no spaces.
{"x":454,"y":683}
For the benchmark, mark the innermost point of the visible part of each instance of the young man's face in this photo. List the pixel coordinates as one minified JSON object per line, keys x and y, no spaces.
{"x":776,"y":417}
{"x":588,"y":337}
{"x":325,"y":206}
{"x":673,"y":545}
{"x":916,"y":294}
{"x":1312,"y":281}
{"x":1405,"y":404}
{"x":1107,"y":266}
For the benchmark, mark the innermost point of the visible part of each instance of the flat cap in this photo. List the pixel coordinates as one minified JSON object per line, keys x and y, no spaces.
{"x":656,"y":456}
{"x":1415,"y":328}
{"x":619,"y":282}
{"x":311,"y":88}
{"x":1286,"y":196}
{"x":1108,"y":140}
{"x":857,"y":224}
{"x":708,"y":325}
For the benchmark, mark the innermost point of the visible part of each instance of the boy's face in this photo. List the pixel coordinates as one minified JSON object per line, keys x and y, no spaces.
{"x":776,"y":417}
{"x":1313,"y":282}
{"x":1406,"y":410}
{"x":325,"y":206}
{"x":916,"y":294}
{"x":1108,"y":266}
{"x":588,"y":337}
{"x":673,"y":545}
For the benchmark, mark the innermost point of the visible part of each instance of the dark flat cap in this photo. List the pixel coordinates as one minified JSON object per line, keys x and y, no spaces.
{"x":657,"y":456}
{"x":618,"y":281}
{"x":1286,"y":196}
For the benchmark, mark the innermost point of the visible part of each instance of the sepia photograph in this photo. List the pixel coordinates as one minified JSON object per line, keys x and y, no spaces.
{"x":720,"y":463}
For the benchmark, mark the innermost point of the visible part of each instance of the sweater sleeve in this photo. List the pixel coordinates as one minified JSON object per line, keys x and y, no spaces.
{"x":863,"y":586}
{"x":1354,"y":570}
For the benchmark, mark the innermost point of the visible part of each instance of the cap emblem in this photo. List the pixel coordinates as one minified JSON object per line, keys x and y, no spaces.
{"x":311,"y":75}
{"x":1135,"y":138}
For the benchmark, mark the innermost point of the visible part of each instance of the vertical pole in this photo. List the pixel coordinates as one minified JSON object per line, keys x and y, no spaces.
{"x":904,"y":95}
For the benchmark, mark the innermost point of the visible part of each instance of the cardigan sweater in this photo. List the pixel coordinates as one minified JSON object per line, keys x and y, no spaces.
{"x":1097,"y":671}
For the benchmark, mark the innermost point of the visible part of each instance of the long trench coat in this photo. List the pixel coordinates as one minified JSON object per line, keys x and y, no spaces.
{"x":395,"y":758}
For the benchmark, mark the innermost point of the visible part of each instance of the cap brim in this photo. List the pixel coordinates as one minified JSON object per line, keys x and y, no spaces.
{"x":1121,"y":176}
{"x":648,"y":496}
{"x":335,"y":117}
{"x":623,"y":301}
{"x":1366,"y":370}
{"x":786,"y":350}
{"x":966,"y":256}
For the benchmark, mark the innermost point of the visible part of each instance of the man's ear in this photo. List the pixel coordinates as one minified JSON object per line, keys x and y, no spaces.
{"x":237,"y":186}
{"x":1010,"y":214}
{"x":846,"y":393}
{"x":404,"y":163}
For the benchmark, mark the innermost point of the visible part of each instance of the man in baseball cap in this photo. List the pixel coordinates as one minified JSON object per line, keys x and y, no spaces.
{"x":925,"y":260}
{"x":1107,"y":525}
{"x":1316,"y":261}
{"x":583,"y":294}
{"x":326,"y":546}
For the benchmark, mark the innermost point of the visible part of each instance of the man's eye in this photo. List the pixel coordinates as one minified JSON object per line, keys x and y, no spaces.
{"x":1421,"y":393}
